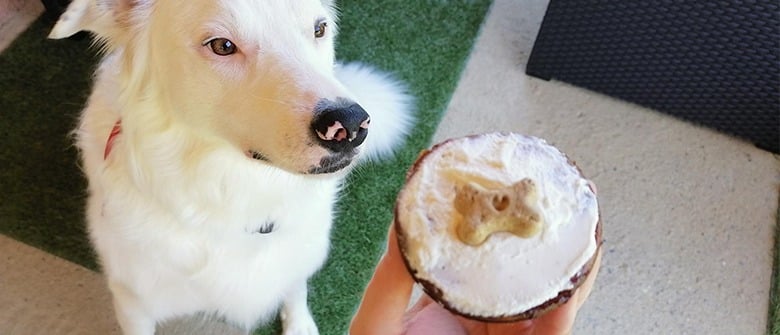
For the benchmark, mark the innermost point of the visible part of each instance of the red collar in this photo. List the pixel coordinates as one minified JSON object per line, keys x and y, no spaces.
{"x":111,"y":137}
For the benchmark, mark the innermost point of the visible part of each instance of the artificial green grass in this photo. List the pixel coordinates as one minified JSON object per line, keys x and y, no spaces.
{"x":773,"y":320}
{"x":44,"y":83}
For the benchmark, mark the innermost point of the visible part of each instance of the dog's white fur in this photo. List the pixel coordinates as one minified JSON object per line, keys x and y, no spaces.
{"x":175,"y":208}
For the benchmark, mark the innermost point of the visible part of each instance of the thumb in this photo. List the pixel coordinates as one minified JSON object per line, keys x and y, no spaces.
{"x":387,"y":295}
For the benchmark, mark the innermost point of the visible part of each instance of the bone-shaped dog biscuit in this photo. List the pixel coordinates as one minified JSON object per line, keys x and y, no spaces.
{"x":487,"y":211}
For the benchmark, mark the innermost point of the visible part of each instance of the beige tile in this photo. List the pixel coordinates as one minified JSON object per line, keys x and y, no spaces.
{"x":43,"y":294}
{"x":688,"y":213}
{"x":15,"y":17}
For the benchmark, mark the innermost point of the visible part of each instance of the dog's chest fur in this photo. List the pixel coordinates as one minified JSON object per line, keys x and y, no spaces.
{"x":226,"y":235}
{"x":237,"y":258}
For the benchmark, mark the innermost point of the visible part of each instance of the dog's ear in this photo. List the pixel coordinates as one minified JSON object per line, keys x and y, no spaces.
{"x":103,"y":18}
{"x":332,"y":7}
{"x":81,"y":15}
{"x":330,"y":4}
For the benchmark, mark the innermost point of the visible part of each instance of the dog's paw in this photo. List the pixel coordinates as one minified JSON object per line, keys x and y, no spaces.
{"x":300,"y":325}
{"x":296,"y":318}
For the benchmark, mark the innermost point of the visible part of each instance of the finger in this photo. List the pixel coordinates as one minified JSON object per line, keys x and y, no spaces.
{"x":434,"y":320}
{"x":386,"y":298}
{"x":515,"y":328}
{"x":421,"y":303}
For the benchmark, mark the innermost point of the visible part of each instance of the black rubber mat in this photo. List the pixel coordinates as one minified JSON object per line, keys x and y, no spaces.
{"x":716,"y":63}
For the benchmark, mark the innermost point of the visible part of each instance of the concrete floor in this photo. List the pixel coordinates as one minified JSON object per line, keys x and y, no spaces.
{"x":15,"y":15}
{"x":688,"y":212}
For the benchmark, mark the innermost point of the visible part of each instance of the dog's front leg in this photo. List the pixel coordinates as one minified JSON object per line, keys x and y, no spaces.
{"x":129,"y":312}
{"x":296,"y":317}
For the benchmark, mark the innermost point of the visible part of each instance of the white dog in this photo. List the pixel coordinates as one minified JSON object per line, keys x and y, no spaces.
{"x":215,"y":142}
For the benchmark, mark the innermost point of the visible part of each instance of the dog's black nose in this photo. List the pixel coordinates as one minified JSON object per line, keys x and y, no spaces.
{"x":340,"y":126}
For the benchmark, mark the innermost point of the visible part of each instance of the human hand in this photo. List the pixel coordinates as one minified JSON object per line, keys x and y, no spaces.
{"x":383,"y":310}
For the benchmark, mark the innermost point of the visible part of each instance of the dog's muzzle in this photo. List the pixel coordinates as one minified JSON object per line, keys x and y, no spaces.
{"x":340,"y":127}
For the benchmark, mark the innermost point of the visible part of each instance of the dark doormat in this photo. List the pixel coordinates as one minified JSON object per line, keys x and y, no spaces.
{"x":716,"y":63}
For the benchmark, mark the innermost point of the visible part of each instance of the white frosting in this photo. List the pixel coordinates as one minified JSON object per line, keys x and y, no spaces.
{"x":507,"y":275}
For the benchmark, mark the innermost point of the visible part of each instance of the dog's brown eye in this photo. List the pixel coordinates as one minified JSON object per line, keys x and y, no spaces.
{"x":222,"y":46}
{"x":319,"y":28}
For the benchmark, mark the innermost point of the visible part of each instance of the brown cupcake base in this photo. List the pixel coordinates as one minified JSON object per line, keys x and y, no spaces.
{"x":437,"y":293}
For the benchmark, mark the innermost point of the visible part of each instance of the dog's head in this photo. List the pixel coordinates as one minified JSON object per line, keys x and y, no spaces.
{"x":255,"y":74}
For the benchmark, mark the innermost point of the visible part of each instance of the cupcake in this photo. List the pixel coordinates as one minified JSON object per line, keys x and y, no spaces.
{"x":497,"y":227}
